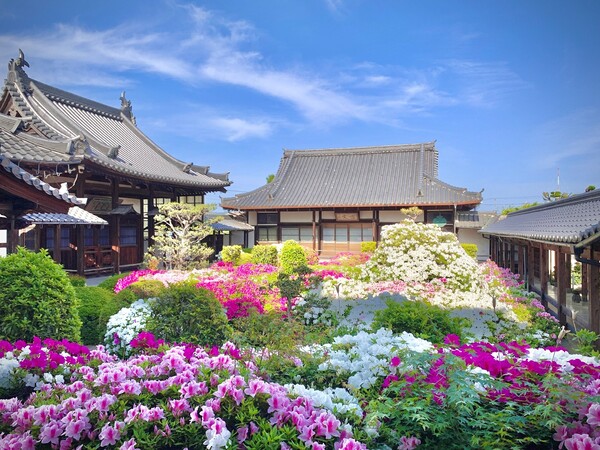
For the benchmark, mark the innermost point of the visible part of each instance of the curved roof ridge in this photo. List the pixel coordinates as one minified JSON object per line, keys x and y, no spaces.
{"x":573,"y":199}
{"x":462,"y":190}
{"x":428,"y":146}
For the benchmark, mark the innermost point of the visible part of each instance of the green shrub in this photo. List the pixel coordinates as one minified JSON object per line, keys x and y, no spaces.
{"x":110,"y":283}
{"x":419,"y":318}
{"x":147,"y":288}
{"x":184,"y":313}
{"x":36,"y":298}
{"x":264,"y":254}
{"x":269,"y":330}
{"x":245,"y":258}
{"x":368,"y":246}
{"x":126,"y":297}
{"x":231,"y":253}
{"x":76,"y":280}
{"x":292,"y":258}
{"x":470,"y":249}
{"x":96,"y":305}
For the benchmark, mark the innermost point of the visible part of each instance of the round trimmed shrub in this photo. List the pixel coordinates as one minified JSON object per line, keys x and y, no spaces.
{"x":36,"y":298}
{"x":185,"y":313}
{"x":264,"y":254}
{"x":292,"y":258}
{"x":96,"y":305}
{"x":423,"y":320}
{"x":232,"y":254}
{"x":470,"y":249}
{"x":147,"y":288}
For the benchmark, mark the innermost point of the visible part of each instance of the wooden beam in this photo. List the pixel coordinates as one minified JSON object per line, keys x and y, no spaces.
{"x":44,"y":202}
{"x":115,"y":228}
{"x":544,"y":273}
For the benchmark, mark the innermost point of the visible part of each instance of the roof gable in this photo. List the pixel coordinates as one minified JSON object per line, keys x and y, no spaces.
{"x":395,"y":175}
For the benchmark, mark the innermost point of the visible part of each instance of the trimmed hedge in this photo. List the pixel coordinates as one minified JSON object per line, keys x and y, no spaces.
{"x":95,"y":308}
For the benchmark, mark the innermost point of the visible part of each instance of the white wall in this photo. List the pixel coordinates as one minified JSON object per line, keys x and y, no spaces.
{"x":471,"y":236}
{"x":295,"y":216}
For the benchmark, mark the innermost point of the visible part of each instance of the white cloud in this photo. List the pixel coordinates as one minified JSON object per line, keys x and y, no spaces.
{"x":236,"y":129}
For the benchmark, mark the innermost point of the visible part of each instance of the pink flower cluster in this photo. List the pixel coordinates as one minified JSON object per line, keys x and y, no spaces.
{"x":46,"y":355}
{"x":348,"y":259}
{"x":185,"y":387}
{"x":583,"y":434}
{"x":133,"y":277}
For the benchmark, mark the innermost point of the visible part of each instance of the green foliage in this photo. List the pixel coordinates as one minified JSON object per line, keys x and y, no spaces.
{"x":146,"y":288}
{"x":554,"y":195}
{"x":419,"y":318}
{"x":412,"y":213}
{"x":36,"y":298}
{"x":586,"y":343}
{"x":292,"y":258}
{"x":76,"y":280}
{"x":232,"y":254}
{"x":126,"y":297}
{"x":368,"y":246}
{"x":264,"y":254}
{"x":269,"y":330}
{"x":590,"y":188}
{"x":511,"y":209}
{"x":96,"y":305}
{"x":454,"y":416}
{"x":110,"y":283}
{"x":184,"y":313}
{"x":180,"y":229}
{"x":470,"y":249}
{"x":245,"y":258}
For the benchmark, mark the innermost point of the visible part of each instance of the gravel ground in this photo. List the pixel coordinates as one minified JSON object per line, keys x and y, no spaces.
{"x":363,"y":310}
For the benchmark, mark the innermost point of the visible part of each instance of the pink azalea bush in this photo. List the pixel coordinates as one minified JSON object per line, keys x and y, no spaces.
{"x":183,"y":397}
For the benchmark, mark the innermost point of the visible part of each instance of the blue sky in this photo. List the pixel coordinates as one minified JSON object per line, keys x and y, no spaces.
{"x":509,"y":89}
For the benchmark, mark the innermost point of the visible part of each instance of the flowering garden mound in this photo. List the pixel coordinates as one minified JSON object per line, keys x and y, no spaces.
{"x":504,"y":384}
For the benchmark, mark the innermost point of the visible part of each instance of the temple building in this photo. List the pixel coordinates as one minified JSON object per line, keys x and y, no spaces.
{"x":555,"y":248}
{"x":331,"y":200}
{"x":94,"y":152}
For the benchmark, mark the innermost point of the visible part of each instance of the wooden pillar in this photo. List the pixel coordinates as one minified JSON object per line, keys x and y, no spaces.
{"x":561,"y":283}
{"x":314,"y":230}
{"x":585,"y":270}
{"x":115,"y":228}
{"x":544,"y":273}
{"x":12,"y":237}
{"x":151,"y":206}
{"x":80,"y":231}
{"x":530,"y":267}
{"x":521,"y":261}
{"x":57,"y":256}
{"x":593,"y":277}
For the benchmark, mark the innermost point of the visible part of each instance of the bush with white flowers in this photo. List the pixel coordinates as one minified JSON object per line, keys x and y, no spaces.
{"x":417,"y":252}
{"x":125,"y":325}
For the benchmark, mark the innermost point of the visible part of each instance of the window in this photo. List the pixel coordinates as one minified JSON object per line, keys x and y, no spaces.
{"x":29,"y":239}
{"x":298,"y":234}
{"x":128,"y":235}
{"x":103,"y":237}
{"x":65,"y":238}
{"x":266,"y":234}
{"x":88,"y":237}
{"x":268,"y":218}
{"x":50,"y":238}
{"x":348,"y":233}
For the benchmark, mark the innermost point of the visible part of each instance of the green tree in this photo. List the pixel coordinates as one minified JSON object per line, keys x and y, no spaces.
{"x":554,"y":195}
{"x":270,"y":178}
{"x":180,"y":229}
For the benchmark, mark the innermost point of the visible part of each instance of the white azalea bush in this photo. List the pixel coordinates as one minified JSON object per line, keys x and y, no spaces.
{"x":416,"y":252}
{"x":124,"y":326}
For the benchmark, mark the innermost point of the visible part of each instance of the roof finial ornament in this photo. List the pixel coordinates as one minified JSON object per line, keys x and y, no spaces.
{"x":20,"y":62}
{"x":126,"y":108}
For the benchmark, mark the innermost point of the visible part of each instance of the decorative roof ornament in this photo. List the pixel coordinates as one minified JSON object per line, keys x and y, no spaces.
{"x":20,"y":62}
{"x":17,"y":65}
{"x":79,"y":146}
{"x":114,"y":152}
{"x":126,"y":108}
{"x":187,"y":168}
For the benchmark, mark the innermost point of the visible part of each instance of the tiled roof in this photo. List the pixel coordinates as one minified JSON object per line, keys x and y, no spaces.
{"x":474,"y":219}
{"x":31,"y":180}
{"x":75,"y":216}
{"x":395,"y":175}
{"x":231,"y":225}
{"x":570,"y":220}
{"x":110,"y":136}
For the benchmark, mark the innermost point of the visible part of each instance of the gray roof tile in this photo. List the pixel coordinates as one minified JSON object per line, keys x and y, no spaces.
{"x":75,"y":216}
{"x":570,"y":220}
{"x":396,"y":175}
{"x":38,"y":184}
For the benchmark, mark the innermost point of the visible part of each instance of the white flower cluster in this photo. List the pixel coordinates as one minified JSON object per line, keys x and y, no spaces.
{"x":336,"y":400}
{"x":8,"y":364}
{"x":416,"y":252}
{"x":346,"y":288}
{"x":365,"y":357}
{"x":125,"y":325}
{"x":561,"y":357}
